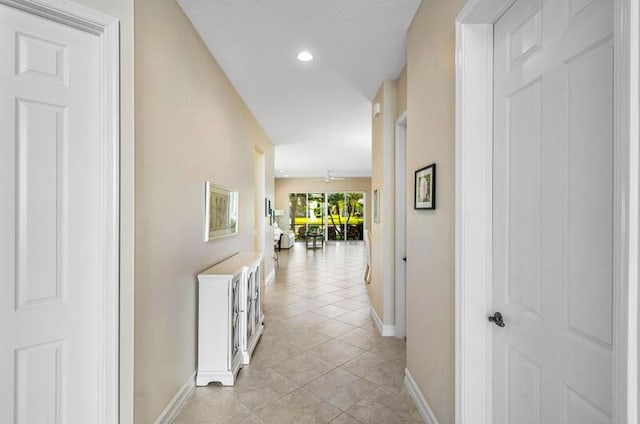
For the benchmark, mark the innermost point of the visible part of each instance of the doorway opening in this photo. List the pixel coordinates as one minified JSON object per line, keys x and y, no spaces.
{"x":401,"y":223}
{"x":259,"y":196}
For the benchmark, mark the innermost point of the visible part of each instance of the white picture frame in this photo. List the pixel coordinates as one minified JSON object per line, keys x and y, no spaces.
{"x":221,"y":212}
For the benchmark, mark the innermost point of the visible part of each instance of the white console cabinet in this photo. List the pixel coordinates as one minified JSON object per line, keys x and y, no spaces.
{"x":230,"y":319}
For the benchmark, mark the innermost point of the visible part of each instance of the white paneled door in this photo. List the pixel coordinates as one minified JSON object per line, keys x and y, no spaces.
{"x":553,"y":212}
{"x":51,"y":210}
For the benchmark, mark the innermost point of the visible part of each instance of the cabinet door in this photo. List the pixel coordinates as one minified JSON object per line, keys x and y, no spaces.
{"x":235,"y":319}
{"x":257,"y":299}
{"x":251,"y":310}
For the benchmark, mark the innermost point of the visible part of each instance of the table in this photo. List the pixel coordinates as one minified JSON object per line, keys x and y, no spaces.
{"x":314,"y":238}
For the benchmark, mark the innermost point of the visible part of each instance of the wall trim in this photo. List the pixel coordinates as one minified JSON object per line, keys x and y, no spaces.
{"x":473,"y":215}
{"x":421,"y":403}
{"x":174,"y":407}
{"x":385,"y":330}
{"x":68,"y":13}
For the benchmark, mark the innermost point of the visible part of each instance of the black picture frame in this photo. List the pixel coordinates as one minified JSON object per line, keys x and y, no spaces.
{"x":424,"y":188}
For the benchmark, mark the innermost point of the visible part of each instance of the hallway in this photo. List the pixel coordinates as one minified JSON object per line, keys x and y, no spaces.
{"x":321,"y":358}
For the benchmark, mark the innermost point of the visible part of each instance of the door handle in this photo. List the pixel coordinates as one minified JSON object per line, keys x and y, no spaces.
{"x":497,"y":319}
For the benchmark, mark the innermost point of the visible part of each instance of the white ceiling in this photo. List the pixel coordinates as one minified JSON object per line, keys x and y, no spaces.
{"x":318,"y":114}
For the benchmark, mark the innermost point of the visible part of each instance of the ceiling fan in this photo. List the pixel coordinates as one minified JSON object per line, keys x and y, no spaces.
{"x":330,"y":178}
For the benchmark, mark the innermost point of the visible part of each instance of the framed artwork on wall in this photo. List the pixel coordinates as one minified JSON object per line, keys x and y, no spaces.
{"x":376,"y":206}
{"x":221,"y":212}
{"x":425,"y":188}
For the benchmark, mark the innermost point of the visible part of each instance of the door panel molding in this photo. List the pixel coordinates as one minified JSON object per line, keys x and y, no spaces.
{"x":106,"y":28}
{"x":474,"y":168}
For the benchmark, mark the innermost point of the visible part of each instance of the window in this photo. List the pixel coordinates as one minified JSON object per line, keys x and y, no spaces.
{"x":337,"y":215}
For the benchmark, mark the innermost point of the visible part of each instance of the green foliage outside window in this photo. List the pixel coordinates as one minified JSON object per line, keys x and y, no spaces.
{"x":344,"y":214}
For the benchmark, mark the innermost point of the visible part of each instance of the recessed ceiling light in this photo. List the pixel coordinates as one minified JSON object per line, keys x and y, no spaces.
{"x":282,"y":170}
{"x":305,"y":56}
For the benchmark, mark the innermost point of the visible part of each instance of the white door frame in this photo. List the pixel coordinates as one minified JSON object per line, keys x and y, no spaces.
{"x":473,"y":258}
{"x":401,"y":218}
{"x":106,"y":28}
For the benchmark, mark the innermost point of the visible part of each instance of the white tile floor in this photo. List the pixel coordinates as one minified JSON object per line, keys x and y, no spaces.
{"x":321,"y":358}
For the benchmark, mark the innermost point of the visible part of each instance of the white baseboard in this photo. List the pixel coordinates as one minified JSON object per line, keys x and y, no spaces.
{"x":270,"y":278}
{"x":385,"y":330}
{"x":172,"y":410}
{"x":415,"y":393}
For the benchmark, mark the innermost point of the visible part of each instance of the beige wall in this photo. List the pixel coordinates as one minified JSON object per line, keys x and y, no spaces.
{"x":284,"y":186}
{"x":430,"y":235}
{"x":191,"y":126}
{"x":382,"y":287}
